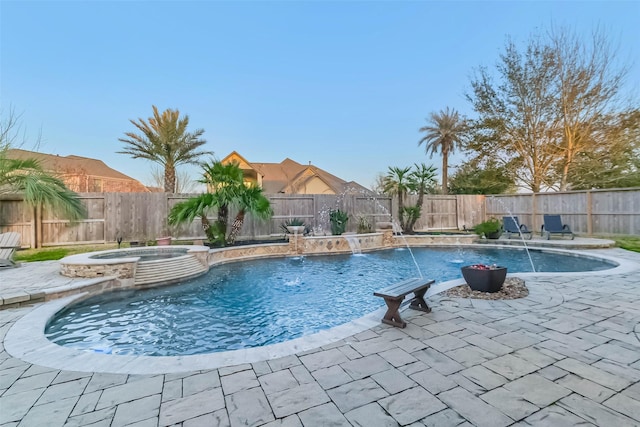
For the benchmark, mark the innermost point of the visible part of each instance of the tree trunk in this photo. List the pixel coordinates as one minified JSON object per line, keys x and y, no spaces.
{"x":169,"y":179}
{"x":445,"y":174}
{"x":236,"y":227}
{"x":412,"y":222}
{"x":206,"y":226}
{"x":400,"y":209}
{"x":223,"y":216}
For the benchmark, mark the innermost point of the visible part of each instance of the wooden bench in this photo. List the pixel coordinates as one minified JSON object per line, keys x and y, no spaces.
{"x":395,"y":294}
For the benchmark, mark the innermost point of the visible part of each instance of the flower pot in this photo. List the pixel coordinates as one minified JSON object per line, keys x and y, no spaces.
{"x":493,"y":235}
{"x":163,"y":241}
{"x":486,"y":279}
{"x":295,"y":229}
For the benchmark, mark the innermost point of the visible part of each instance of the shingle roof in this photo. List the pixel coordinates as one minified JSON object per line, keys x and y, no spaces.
{"x":288,"y":176}
{"x":69,"y":164}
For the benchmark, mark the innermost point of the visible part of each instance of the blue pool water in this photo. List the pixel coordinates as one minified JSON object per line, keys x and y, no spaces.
{"x":254,"y":303}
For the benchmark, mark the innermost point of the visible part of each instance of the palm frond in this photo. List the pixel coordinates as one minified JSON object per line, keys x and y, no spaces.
{"x":163,"y":139}
{"x":39,"y":187}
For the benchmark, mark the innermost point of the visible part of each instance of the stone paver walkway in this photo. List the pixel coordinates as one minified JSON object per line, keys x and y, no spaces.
{"x":566,"y":355}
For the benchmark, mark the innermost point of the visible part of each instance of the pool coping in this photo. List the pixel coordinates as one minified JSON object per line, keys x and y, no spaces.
{"x":40,"y":351}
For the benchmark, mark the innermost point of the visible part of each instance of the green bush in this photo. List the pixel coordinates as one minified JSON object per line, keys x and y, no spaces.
{"x":338,"y":221}
{"x":489,"y":228}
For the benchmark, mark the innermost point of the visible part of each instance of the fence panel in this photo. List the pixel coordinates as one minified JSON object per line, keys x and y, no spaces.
{"x":17,"y":216}
{"x":58,"y":231}
{"x":571,"y":206}
{"x":371,"y":210}
{"x":471,"y":210}
{"x":135,"y":216}
{"x":142,"y":216}
{"x":616,"y":212}
{"x":285,"y":208}
{"x":438,"y":213}
{"x":517,"y":205}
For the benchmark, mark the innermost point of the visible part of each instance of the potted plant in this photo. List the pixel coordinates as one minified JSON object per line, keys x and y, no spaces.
{"x":338,"y":221}
{"x":294,"y":226}
{"x":163,"y":241}
{"x":485,"y":278}
{"x":490,"y":229}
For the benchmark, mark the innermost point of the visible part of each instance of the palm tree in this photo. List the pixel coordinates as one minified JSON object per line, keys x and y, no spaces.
{"x":226,"y":189}
{"x":396,"y":183}
{"x":26,"y":176}
{"x":197,"y":207}
{"x":250,"y":200}
{"x":38,"y":187}
{"x":420,"y":180}
{"x":444,"y":132}
{"x":164,"y":139}
{"x":224,"y":181}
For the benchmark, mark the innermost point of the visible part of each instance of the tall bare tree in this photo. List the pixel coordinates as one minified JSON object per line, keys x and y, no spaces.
{"x":444,"y":133}
{"x":164,"y":140}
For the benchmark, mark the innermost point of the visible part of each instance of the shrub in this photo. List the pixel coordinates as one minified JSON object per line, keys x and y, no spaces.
{"x":338,"y":221}
{"x":488,"y":228}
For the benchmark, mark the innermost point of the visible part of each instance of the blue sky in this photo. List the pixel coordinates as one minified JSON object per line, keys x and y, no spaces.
{"x":342,"y":84}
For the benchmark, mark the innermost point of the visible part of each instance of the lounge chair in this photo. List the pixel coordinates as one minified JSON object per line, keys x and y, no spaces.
{"x":511,"y":225}
{"x":553,"y":225}
{"x":9,"y":242}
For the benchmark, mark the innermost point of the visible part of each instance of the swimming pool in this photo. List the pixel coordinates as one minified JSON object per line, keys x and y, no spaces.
{"x":150,"y":254}
{"x":255,"y":303}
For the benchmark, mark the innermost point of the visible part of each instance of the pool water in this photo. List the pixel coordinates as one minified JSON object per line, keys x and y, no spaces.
{"x":144,"y":254}
{"x":255,"y":303}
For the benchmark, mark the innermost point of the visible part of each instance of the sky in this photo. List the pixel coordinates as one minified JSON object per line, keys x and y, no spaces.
{"x":344,"y":85}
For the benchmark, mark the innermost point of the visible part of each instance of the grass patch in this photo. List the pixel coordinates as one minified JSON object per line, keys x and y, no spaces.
{"x":630,"y":243}
{"x":54,"y":254}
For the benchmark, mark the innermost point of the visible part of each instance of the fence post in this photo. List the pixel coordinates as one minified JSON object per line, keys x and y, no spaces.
{"x":534,"y":212}
{"x":38,"y":225}
{"x":589,"y":213}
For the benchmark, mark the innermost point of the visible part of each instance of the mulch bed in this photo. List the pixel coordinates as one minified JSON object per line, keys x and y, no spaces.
{"x":513,"y":288}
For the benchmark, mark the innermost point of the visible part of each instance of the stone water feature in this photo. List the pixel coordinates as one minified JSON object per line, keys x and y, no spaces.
{"x":128,"y":268}
{"x":139,"y":266}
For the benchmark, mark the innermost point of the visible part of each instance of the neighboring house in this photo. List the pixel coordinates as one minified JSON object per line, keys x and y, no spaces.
{"x":291,"y":177}
{"x":82,"y":174}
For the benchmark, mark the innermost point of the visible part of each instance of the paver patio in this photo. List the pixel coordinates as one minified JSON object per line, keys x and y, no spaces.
{"x":566,"y":355}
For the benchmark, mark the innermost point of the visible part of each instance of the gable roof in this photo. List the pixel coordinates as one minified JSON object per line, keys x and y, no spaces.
{"x":290,"y":176}
{"x":69,"y":165}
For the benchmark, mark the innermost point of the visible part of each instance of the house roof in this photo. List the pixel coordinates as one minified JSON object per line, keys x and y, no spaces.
{"x":289,"y":176}
{"x":69,"y":164}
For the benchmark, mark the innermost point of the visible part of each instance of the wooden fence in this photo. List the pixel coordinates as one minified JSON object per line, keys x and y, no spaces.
{"x":601,"y":212}
{"x":142,"y":216}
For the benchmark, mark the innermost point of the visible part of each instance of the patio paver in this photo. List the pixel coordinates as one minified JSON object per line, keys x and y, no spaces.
{"x":568,"y":354}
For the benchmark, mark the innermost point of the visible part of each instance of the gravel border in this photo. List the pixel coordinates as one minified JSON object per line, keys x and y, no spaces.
{"x":513,"y":288}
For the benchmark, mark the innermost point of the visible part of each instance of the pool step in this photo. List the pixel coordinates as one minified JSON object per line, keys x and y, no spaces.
{"x":168,"y":270}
